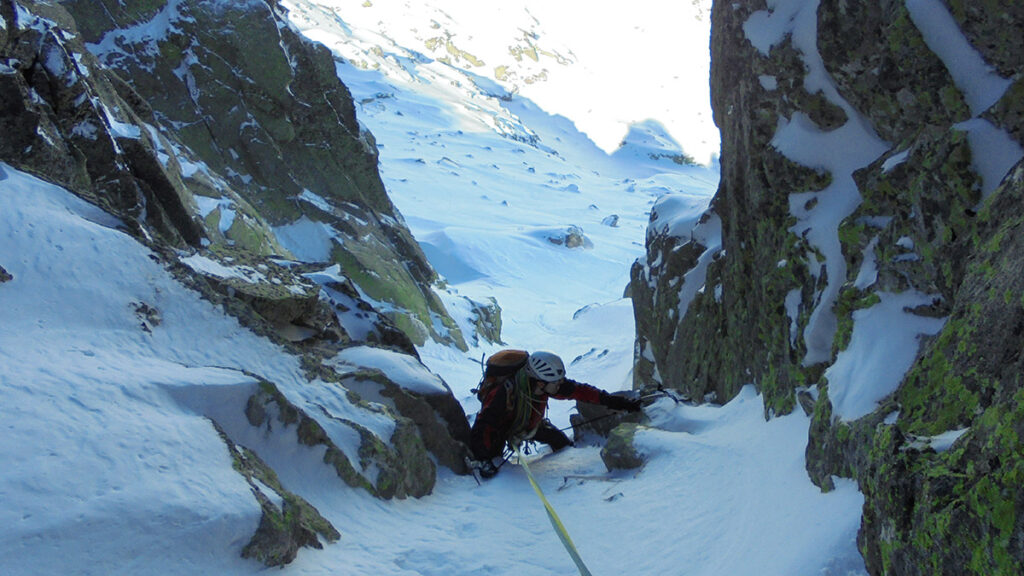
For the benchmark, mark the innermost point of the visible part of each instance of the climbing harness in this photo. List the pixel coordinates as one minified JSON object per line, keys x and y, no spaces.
{"x":556,"y":522}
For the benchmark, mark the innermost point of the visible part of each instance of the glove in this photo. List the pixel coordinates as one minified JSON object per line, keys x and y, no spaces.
{"x":622,"y":403}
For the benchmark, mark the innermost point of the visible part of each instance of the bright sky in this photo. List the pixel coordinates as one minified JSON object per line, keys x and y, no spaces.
{"x":638,"y":60}
{"x":630,"y":62}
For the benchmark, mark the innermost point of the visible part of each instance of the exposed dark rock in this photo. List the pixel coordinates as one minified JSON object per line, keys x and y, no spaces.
{"x":402,"y":467}
{"x":1008,"y":113}
{"x":65,"y":122}
{"x":283,"y":528}
{"x":619,"y":453}
{"x":571,"y":237}
{"x":149,"y":317}
{"x":883,"y":67}
{"x":262,"y":106}
{"x":439,"y":418}
{"x":993,"y":28}
{"x":487,"y":320}
{"x":5,"y":276}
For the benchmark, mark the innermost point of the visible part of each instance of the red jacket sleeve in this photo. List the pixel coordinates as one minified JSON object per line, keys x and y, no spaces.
{"x":571,"y":389}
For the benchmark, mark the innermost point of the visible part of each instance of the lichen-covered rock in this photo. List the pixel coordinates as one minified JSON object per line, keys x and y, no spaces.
{"x":396,"y":467}
{"x":438,"y":417}
{"x":883,"y":67}
{"x":1008,"y":113}
{"x":487,"y":320}
{"x":619,"y":453}
{"x":265,"y":115}
{"x":734,"y":329}
{"x":956,"y":510}
{"x":993,"y":28}
{"x":288,"y":522}
{"x":962,"y":510}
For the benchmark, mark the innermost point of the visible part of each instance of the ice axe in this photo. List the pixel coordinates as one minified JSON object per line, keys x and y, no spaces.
{"x":663,"y":392}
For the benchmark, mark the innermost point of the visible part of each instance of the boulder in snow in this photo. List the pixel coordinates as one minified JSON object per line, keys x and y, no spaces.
{"x":619,"y":452}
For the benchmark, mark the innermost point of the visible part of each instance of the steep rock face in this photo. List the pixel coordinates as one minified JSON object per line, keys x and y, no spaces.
{"x":908,"y":208}
{"x":735,"y":329}
{"x":65,"y":120}
{"x":261,"y":106}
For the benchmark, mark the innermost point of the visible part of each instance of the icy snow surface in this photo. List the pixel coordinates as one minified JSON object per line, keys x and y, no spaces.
{"x":881,"y":350}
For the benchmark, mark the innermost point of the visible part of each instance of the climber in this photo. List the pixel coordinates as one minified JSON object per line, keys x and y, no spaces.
{"x":514,"y":398}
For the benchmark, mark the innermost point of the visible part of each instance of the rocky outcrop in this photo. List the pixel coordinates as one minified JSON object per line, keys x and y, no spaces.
{"x":619,"y":453}
{"x":767,"y":287}
{"x":287,"y":522}
{"x":263,"y":114}
{"x":66,"y":120}
{"x":437,"y":415}
{"x":396,"y":467}
{"x":711,"y":332}
{"x":923,"y":503}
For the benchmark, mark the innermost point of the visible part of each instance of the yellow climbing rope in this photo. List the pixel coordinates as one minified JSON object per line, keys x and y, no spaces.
{"x":556,"y":523}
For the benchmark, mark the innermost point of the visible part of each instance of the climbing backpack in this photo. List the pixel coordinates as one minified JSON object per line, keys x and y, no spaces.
{"x":498,"y":368}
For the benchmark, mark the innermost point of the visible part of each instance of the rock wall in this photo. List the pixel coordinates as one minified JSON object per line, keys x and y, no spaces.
{"x":269,"y":137}
{"x":931,"y":213}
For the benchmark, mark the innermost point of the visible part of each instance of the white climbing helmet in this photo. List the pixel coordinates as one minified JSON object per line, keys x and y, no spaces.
{"x":545,"y":366}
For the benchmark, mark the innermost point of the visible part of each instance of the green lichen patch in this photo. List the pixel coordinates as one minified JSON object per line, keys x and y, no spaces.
{"x":935,"y":397}
{"x":959,"y":508}
{"x":619,"y":453}
{"x":288,"y":522}
{"x":849,"y":301}
{"x":1008,"y":113}
{"x":989,"y":26}
{"x":283,"y":529}
{"x":883,"y":67}
{"x":389,"y":280}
